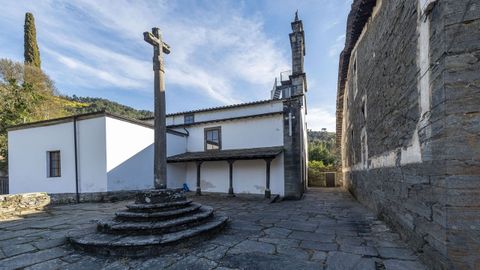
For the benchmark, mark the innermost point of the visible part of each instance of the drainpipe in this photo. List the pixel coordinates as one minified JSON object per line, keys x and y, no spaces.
{"x":76,"y":159}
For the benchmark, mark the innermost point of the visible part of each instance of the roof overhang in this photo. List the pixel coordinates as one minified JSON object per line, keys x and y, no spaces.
{"x":233,"y":154}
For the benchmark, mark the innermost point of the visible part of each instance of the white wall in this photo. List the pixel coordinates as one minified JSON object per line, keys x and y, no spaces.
{"x":176,"y":172}
{"x":92,"y":155}
{"x":239,"y":134}
{"x":130,"y":156}
{"x":273,"y":106}
{"x":249,"y":176}
{"x":28,"y":157}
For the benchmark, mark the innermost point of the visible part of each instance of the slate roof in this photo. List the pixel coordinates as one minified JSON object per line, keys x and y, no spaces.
{"x":234,"y":154}
{"x":258,"y":102}
{"x":82,"y":116}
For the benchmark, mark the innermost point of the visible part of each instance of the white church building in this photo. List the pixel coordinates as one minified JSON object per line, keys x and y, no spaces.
{"x":258,"y":147}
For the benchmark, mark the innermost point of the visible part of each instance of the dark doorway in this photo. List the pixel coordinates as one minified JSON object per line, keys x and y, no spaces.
{"x":330,"y":179}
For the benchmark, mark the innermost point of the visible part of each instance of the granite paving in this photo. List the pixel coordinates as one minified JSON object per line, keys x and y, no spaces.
{"x":327,"y":229}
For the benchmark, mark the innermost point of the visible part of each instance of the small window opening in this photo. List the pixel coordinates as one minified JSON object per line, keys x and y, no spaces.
{"x":189,"y":118}
{"x":53,"y":164}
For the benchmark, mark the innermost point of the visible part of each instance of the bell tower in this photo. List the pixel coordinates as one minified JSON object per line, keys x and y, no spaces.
{"x":297,"y":43}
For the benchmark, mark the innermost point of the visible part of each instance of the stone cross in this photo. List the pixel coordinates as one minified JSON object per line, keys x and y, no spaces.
{"x":160,"y":140}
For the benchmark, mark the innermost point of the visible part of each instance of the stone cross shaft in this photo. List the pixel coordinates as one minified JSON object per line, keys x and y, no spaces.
{"x":160,"y":140}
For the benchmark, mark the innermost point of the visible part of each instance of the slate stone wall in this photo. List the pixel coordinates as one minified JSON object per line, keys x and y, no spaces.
{"x":433,"y":202}
{"x":294,"y":180}
{"x":459,"y":143}
{"x":110,"y":196}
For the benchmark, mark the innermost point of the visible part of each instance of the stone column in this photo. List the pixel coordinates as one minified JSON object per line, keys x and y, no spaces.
{"x":199,"y":189}
{"x":230,"y":186}
{"x":268,"y":193}
{"x":160,"y":138}
{"x":160,"y":144}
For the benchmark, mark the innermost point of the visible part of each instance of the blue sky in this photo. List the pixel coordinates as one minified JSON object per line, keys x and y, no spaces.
{"x":223,"y":52}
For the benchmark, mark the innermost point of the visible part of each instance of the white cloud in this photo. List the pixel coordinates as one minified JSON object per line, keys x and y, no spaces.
{"x":213,"y":50}
{"x":318,"y":118}
{"x":76,"y":66}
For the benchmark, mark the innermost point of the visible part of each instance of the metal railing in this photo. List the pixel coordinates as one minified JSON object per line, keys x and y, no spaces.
{"x":3,"y":184}
{"x":285,"y":76}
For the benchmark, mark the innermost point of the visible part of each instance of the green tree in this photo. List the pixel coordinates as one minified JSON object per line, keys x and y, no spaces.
{"x":31,"y":52}
{"x":26,"y":95}
{"x":319,"y":151}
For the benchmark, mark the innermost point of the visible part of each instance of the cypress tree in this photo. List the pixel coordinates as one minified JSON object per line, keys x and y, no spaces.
{"x":31,"y":53}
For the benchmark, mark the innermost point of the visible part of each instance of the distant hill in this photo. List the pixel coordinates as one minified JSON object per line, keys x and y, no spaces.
{"x":79,"y":105}
{"x":321,"y":136}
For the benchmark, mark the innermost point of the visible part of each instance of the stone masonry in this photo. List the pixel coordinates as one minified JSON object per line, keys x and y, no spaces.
{"x":409,"y":104}
{"x":16,"y":205}
{"x":294,"y":180}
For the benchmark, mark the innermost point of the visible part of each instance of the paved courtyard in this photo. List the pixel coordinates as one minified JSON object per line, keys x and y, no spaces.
{"x":328,"y":229}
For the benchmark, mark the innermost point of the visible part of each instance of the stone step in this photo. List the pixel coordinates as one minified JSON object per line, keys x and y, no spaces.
{"x":156,"y":227}
{"x":145,"y":245}
{"x":127,"y":215}
{"x":147,"y":207}
{"x":153,"y":196}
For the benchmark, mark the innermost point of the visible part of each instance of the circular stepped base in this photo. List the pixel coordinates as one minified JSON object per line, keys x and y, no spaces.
{"x":158,"y":227}
{"x":145,"y":207}
{"x":145,"y":245}
{"x":158,"y":220}
{"x":149,"y":216}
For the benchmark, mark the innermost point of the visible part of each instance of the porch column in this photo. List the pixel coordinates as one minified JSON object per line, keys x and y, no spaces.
{"x":230,"y":186}
{"x":199,"y":189}
{"x":268,"y":193}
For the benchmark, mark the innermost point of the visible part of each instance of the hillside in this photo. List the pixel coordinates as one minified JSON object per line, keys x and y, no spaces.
{"x":79,"y":105}
{"x":321,"y":136}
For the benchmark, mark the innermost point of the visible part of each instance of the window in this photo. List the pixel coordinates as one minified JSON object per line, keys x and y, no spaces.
{"x":213,"y":138}
{"x":188,"y":119}
{"x":53,"y":163}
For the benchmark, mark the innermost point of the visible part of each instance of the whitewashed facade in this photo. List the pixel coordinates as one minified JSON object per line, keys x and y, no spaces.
{"x":115,"y":154}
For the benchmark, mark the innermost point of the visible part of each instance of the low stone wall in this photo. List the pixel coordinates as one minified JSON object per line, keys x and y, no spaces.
{"x":319,"y":179}
{"x":111,"y":196}
{"x":22,"y":204}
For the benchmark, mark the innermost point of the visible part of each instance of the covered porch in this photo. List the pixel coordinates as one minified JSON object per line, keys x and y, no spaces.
{"x":230,"y":156}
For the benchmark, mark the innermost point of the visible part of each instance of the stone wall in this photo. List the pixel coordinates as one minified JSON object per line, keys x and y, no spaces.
{"x":26,"y":203}
{"x":411,"y":123}
{"x":293,"y":148}
{"x":22,"y":204}
{"x":459,"y":143}
{"x":111,"y":196}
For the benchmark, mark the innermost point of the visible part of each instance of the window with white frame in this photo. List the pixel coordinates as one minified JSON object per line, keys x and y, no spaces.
{"x":213,"y":139}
